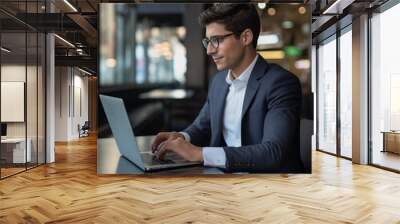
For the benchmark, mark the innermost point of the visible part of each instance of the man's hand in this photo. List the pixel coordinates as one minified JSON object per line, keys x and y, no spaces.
{"x":181,"y":147}
{"x":164,"y":136}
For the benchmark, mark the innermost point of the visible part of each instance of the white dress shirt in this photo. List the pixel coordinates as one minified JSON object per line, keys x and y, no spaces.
{"x":232,"y":119}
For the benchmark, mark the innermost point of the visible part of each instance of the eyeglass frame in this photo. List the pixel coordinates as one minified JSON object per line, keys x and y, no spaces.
{"x":217,"y":38}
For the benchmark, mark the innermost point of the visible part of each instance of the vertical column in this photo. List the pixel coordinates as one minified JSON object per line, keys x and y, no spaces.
{"x":92,"y":101}
{"x":50,"y":99}
{"x":338,"y":91}
{"x":360,"y":90}
{"x":50,"y":92}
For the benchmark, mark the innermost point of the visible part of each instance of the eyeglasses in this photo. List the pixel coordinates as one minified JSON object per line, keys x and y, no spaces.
{"x":215,"y":40}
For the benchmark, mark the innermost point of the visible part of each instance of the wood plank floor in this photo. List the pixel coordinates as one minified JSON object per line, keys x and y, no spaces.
{"x":69,"y":191}
{"x":10,"y":171}
{"x":387,"y":159}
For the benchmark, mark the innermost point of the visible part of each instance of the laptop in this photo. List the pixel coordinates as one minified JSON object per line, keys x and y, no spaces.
{"x":136,"y":149}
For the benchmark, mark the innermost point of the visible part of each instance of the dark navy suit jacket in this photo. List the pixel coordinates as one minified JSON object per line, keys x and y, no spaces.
{"x":270,"y":121}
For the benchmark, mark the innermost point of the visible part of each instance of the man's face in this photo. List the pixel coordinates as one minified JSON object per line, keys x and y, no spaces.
{"x":229,"y":52}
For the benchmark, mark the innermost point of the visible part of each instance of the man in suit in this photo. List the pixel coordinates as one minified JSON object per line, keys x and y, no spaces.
{"x":250,"y":120}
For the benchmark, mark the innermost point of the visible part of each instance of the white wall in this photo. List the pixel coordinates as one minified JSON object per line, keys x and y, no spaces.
{"x":33,"y":126}
{"x":14,"y":73}
{"x":17,"y":73}
{"x":81,"y":83}
{"x":61,"y":103}
{"x":12,"y":100}
{"x":70,"y":84}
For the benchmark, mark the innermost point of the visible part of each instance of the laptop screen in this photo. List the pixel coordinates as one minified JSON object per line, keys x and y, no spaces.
{"x":121,"y":128}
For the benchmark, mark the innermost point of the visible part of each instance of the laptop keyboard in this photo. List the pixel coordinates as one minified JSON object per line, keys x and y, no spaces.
{"x":152,"y":159}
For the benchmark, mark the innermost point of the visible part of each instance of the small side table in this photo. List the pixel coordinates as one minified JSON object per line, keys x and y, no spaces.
{"x":391,"y":141}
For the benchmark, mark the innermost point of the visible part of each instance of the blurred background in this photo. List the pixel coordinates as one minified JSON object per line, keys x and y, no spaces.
{"x":151,"y":56}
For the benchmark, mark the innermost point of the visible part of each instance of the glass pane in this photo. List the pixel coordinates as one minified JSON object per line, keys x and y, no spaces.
{"x":13,"y":87}
{"x":327,"y":97}
{"x":41,"y":98}
{"x":31,"y":97}
{"x":385,"y":84}
{"x":31,"y":84}
{"x":346,"y":94}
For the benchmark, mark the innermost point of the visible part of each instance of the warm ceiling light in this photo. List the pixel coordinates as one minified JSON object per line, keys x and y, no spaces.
{"x":64,"y":40}
{"x":271,"y":11}
{"x":155,"y":31}
{"x":84,"y":71}
{"x":302,"y":64}
{"x":181,"y":31}
{"x":268,"y":38}
{"x":337,"y":7}
{"x":278,"y":54}
{"x":262,"y":5}
{"x":79,"y":51}
{"x":5,"y":50}
{"x":302,"y":10}
{"x":287,"y":24}
{"x":111,"y":62}
{"x":70,"y":5}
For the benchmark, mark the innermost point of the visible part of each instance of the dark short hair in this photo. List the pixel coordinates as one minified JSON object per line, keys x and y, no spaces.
{"x":235,"y":17}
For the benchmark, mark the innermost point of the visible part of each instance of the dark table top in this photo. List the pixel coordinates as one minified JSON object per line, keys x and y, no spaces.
{"x":111,"y":162}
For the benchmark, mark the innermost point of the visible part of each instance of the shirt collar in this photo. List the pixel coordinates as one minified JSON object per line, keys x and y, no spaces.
{"x":245,"y":76}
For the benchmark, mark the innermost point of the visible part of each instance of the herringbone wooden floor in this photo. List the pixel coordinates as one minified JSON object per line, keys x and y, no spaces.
{"x":69,"y":191}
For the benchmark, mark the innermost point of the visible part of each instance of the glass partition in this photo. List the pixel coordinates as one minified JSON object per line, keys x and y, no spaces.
{"x":14,"y":153}
{"x":327,"y":96}
{"x":22,"y":77}
{"x":385,"y":89}
{"x":41,"y":96}
{"x":346,"y":93}
{"x":31,"y":97}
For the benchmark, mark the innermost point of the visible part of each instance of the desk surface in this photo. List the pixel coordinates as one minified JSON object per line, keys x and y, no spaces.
{"x":13,"y":140}
{"x":110,"y":161}
{"x":390,"y":132}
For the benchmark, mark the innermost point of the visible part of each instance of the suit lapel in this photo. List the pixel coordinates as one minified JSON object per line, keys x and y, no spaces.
{"x":220,"y":100}
{"x":253,"y":84}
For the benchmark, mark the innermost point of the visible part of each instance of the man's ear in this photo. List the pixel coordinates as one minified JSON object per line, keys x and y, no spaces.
{"x":247,"y":37}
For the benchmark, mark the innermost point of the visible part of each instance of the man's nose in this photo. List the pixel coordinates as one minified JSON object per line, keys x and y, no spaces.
{"x":211,"y":49}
